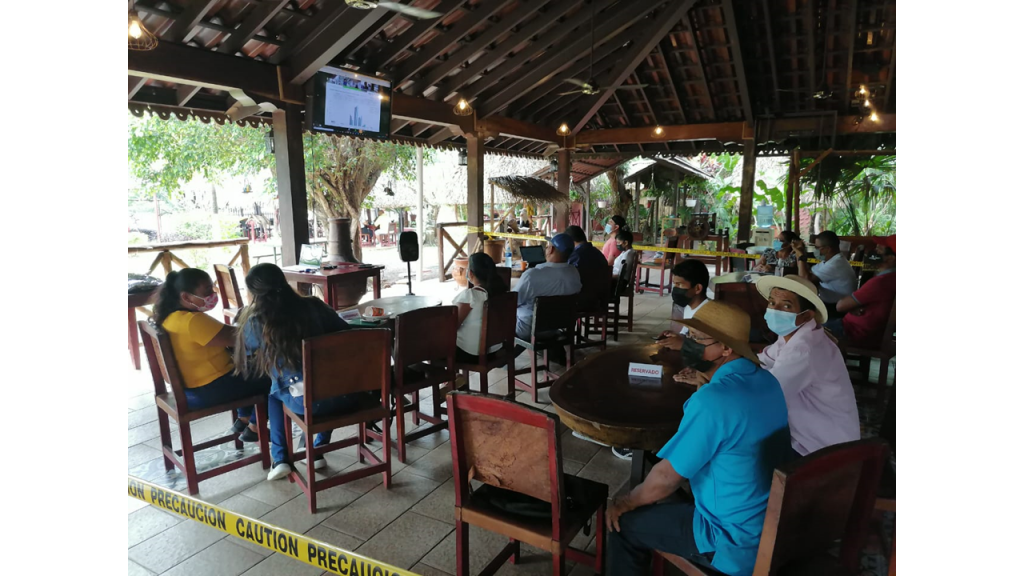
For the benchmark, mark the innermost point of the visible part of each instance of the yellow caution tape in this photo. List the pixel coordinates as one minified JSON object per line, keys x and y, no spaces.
{"x":285,"y":542}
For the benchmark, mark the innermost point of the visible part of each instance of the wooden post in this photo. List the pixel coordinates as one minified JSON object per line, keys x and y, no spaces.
{"x":636,"y":207}
{"x":165,"y":259}
{"x":475,"y":189}
{"x":560,"y":214}
{"x":421,"y":222}
{"x":490,"y":215}
{"x":793,"y":174}
{"x":291,"y":182}
{"x":747,"y":189}
{"x":586,"y":212}
{"x":243,"y":250}
{"x":796,"y":194}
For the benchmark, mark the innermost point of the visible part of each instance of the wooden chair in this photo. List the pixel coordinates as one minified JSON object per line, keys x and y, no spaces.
{"x":554,"y":326}
{"x":886,"y":500}
{"x":164,"y":367}
{"x":592,"y":307}
{"x":230,"y":295}
{"x":508,"y":446}
{"x":745,"y":296}
{"x":499,"y":327}
{"x":135,"y":301}
{"x":389,"y":237}
{"x":885,"y":352}
{"x":624,"y":288}
{"x":424,"y":358}
{"x":816,"y":500}
{"x":661,"y":266}
{"x":333,"y":365}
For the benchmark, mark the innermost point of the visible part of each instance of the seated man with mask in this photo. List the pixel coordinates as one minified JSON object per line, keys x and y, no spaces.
{"x":555,"y":277}
{"x":832,"y":274}
{"x":733,"y":435}
{"x":808,"y":365}
{"x":690,"y":280}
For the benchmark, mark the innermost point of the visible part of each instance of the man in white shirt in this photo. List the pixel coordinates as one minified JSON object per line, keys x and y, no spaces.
{"x":555,"y":277}
{"x":833,"y":274}
{"x":690,"y":280}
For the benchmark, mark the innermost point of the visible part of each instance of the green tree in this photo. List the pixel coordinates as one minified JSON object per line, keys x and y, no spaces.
{"x":856,"y":194}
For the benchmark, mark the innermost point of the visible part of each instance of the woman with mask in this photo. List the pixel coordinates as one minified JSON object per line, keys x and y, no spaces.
{"x":690,"y":280}
{"x":624,"y":243}
{"x":808,"y":365}
{"x":486,"y":283}
{"x":269,"y":344}
{"x":780,"y":256}
{"x":611,"y":230}
{"x":200,"y":343}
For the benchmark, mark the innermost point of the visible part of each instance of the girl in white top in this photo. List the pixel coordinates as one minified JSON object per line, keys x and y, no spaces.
{"x":624,"y":242}
{"x":486,"y":282}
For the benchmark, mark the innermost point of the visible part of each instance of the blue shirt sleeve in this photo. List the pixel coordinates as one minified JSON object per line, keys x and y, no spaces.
{"x":696,"y":441}
{"x":523,"y":289}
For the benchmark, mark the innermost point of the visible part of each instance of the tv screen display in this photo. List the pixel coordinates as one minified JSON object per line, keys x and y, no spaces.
{"x":348,"y":103}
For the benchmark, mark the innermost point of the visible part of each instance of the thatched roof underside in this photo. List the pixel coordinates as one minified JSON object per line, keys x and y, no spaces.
{"x":527,"y":189}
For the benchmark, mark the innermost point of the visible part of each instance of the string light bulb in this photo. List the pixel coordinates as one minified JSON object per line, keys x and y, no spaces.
{"x":867,"y":103}
{"x":134,"y":29}
{"x":862,"y":90}
{"x":658,"y":132}
{"x":462,"y":108}
{"x":563,"y":130}
{"x":875,"y":118}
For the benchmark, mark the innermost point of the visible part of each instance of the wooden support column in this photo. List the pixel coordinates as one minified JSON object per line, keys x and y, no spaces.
{"x":796,"y":194}
{"x":790,"y":182}
{"x":586,"y":212}
{"x":421,"y":222}
{"x":291,"y":182}
{"x":747,"y":189}
{"x":560,"y":213}
{"x":475,"y":189}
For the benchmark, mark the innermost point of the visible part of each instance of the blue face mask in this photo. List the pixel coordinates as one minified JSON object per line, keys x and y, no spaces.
{"x":777,"y":245}
{"x":608,"y":228}
{"x":782,"y":323}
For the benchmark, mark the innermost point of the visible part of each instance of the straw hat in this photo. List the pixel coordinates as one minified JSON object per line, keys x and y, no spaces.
{"x":797,"y":285}
{"x":727,"y":324}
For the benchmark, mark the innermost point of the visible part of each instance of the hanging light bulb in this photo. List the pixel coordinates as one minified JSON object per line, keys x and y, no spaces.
{"x":138,"y":37}
{"x":134,"y":29}
{"x":462,"y":108}
{"x":867,"y":103}
{"x":563,"y":130}
{"x":862,"y":90}
{"x":874,"y":117}
{"x":658,"y":132}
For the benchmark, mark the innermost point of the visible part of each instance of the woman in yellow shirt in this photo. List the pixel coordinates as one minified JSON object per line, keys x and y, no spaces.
{"x":200,"y":343}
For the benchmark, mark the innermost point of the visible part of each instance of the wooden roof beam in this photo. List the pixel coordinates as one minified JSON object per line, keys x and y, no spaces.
{"x":185,"y":93}
{"x":737,"y":59}
{"x":770,"y":39}
{"x":442,"y":44}
{"x":406,"y":39}
{"x":701,"y":65}
{"x":135,"y":83}
{"x":260,"y":16}
{"x":440,"y":136}
{"x":338,"y":30}
{"x":655,"y":30}
{"x":672,"y":76}
{"x":186,"y":24}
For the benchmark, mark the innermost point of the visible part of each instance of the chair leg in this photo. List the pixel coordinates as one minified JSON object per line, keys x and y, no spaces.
{"x":189,"y":457}
{"x":599,"y":539}
{"x":483,"y":381}
{"x":238,"y":441}
{"x":362,"y":441}
{"x":261,"y":427}
{"x":133,"y":340}
{"x":883,"y":383}
{"x":558,"y":564}
{"x":400,"y":427}
{"x":416,"y":408}
{"x":165,"y":437}
{"x":533,"y":375}
{"x":659,"y":565}
{"x":514,"y":557}
{"x":630,"y":328}
{"x":461,"y":548}
{"x":387,"y":452}
{"x":311,"y":474}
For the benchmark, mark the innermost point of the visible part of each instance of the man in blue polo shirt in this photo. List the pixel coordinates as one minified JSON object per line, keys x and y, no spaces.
{"x":733,"y":434}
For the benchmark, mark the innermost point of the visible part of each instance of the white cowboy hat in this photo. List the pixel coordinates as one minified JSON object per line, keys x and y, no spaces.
{"x":798,"y":285}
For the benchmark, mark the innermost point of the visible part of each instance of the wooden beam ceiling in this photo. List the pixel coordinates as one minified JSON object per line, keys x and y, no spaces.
{"x":736,"y":51}
{"x":338,"y":30}
{"x":260,"y":16}
{"x":184,"y":93}
{"x":766,"y":15}
{"x":659,"y":25}
{"x":672,"y":78}
{"x":411,"y":35}
{"x":135,"y":84}
{"x":186,"y":24}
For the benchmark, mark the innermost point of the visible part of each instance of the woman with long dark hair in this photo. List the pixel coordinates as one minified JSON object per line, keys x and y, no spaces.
{"x":200,"y":343}
{"x":486,"y":283}
{"x":269,"y":343}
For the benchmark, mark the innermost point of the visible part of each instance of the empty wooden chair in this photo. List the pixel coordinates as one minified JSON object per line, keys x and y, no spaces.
{"x":230,"y":295}
{"x":884,"y":352}
{"x":424,"y":358}
{"x":499,"y":327}
{"x":554,"y":326}
{"x":172,"y":406}
{"x":826,"y":496}
{"x":516,"y":450}
{"x":661,"y":266}
{"x":624,"y":288}
{"x":333,"y":365}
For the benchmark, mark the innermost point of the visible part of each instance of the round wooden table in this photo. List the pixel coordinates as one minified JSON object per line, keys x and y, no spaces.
{"x":598,"y":399}
{"x":395,"y":305}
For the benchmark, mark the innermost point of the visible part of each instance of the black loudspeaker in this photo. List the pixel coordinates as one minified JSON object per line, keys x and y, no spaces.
{"x":409,"y":250}
{"x":408,"y":247}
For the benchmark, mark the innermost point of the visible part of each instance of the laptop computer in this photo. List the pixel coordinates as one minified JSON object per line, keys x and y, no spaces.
{"x":532,"y":255}
{"x":310,"y":258}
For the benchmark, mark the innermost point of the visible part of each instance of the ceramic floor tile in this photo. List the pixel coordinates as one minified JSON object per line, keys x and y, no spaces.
{"x":135,"y":504}
{"x":246,"y":506}
{"x":145,"y":433}
{"x":147,"y":522}
{"x":334,"y":538}
{"x":278,"y":565}
{"x":174,"y":545}
{"x":572,"y":467}
{"x":483,"y":547}
{"x":274,"y":492}
{"x":576,"y":449}
{"x":222,"y":559}
{"x":367,"y":483}
{"x":379,"y":507}
{"x":431,"y":441}
{"x":406,"y":540}
{"x":220,"y":488}
{"x":424,"y":570}
{"x":140,"y":453}
{"x":294,"y":515}
{"x":142,"y":416}
{"x":436,"y":465}
{"x":604,"y":467}
{"x":141,"y":401}
{"x":532,"y":562}
{"x":136,"y":570}
{"x":439,"y":504}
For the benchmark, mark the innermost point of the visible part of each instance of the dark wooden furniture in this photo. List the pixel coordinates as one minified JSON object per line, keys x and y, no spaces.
{"x":816,"y":500}
{"x":331,"y":280}
{"x":721,"y":245}
{"x":172,"y":406}
{"x":744,"y":295}
{"x":230,"y":295}
{"x":499,"y":327}
{"x":886,"y":500}
{"x":554,"y":326}
{"x":597,"y":399}
{"x":346,"y":362}
{"x":592,"y":307}
{"x":517,"y":448}
{"x":135,"y":301}
{"x":424,"y":358}
{"x":504,"y":273}
{"x":885,"y":352}
{"x":662,"y":266}
{"x":624,"y":288}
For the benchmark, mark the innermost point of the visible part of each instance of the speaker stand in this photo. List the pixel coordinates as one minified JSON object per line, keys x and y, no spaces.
{"x":408,"y":266}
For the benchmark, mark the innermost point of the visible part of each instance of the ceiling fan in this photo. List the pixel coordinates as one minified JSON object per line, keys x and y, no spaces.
{"x":413,"y":11}
{"x":590,"y":87}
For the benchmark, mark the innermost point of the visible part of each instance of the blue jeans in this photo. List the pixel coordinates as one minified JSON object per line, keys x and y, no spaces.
{"x":225,"y":389}
{"x":664,"y":527}
{"x":835,"y":326}
{"x":279,"y":437}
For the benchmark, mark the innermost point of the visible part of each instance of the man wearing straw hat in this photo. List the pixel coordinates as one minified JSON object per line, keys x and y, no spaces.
{"x":733,"y":434}
{"x":808,"y":365}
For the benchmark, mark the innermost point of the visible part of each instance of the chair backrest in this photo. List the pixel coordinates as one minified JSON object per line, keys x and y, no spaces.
{"x":627,"y":276}
{"x":554,"y":313}
{"x":499,"y":325}
{"x":427,"y":335}
{"x":745,"y":296}
{"x":346,"y":362}
{"x":230,"y":295}
{"x":597,"y":283}
{"x":818,"y":499}
{"x":888,"y":343}
{"x":505,"y":444}
{"x":162,"y":363}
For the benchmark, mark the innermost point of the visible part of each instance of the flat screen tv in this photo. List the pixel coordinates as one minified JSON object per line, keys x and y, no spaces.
{"x":343,"y":102}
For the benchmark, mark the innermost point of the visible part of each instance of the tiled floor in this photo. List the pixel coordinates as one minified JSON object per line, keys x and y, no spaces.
{"x":410,"y":526}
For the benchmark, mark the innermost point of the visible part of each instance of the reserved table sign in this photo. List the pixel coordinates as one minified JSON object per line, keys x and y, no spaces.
{"x":637,"y":370}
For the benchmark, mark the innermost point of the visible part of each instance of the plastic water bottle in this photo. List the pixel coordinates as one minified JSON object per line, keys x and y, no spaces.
{"x":508,"y":254}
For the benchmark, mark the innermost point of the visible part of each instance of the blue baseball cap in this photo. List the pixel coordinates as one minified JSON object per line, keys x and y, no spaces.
{"x":563,"y":243}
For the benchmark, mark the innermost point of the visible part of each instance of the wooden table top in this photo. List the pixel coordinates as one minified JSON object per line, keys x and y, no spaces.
{"x":341,"y":270}
{"x":597,"y":399}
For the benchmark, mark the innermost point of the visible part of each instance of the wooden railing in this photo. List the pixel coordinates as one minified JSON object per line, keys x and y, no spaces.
{"x":442,"y":237}
{"x":166,"y":257}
